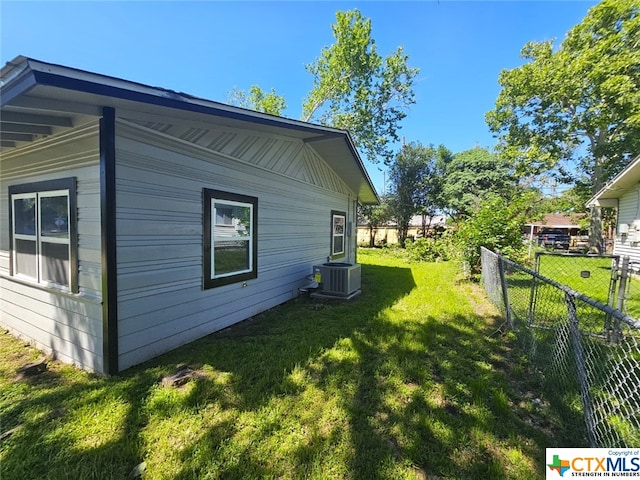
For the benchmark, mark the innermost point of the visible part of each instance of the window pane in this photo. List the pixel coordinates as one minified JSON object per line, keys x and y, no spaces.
{"x":55,"y":263}
{"x":337,"y":234}
{"x":26,"y":259}
{"x":24,"y":212}
{"x":338,"y":244}
{"x":54,"y":220}
{"x":236,"y":217}
{"x":223,"y":215}
{"x":230,"y":257}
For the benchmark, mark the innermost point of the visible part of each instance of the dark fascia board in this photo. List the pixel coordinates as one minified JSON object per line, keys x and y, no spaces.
{"x":79,"y":80}
{"x":17,"y":86}
{"x":37,"y":72}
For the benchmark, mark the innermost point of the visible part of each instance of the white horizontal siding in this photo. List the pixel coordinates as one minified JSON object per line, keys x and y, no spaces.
{"x":161,"y":301}
{"x":70,"y":325}
{"x":628,"y":211}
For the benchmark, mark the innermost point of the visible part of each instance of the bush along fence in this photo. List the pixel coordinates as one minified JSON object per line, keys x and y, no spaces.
{"x":586,"y":351}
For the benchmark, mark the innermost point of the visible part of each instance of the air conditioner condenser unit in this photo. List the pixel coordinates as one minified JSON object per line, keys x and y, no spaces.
{"x":339,"y":279}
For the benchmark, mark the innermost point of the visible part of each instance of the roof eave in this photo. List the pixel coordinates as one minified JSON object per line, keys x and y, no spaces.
{"x":23,"y":74}
{"x":617,"y":186}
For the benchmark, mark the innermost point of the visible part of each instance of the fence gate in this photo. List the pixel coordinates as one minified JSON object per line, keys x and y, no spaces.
{"x":601,"y":277}
{"x":586,"y":351}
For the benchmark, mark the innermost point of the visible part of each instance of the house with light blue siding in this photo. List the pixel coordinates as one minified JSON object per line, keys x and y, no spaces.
{"x":135,"y":219}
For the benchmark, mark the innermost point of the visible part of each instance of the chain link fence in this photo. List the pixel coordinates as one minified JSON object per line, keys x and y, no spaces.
{"x":586,"y":350}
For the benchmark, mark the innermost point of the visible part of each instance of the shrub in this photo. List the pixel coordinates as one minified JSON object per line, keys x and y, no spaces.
{"x":428,"y":250}
{"x":497,"y":225}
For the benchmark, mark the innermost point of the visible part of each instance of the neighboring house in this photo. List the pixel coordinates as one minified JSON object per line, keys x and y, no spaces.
{"x":135,"y":219}
{"x":623,"y":193}
{"x":567,"y":223}
{"x":388,"y":233}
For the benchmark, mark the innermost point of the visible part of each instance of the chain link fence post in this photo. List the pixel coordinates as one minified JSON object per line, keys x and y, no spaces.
{"x":505,"y":291}
{"x":586,"y":351}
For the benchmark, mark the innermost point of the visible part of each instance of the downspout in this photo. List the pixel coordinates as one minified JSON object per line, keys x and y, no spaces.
{"x":108,"y":241}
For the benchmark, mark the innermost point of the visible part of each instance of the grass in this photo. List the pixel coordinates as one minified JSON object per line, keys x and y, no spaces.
{"x":567,"y":270}
{"x":588,"y":275}
{"x":407,"y":381}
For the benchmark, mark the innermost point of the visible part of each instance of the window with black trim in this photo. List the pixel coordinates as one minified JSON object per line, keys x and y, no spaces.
{"x":43,"y":236}
{"x":338,"y":224}
{"x":230,"y":238}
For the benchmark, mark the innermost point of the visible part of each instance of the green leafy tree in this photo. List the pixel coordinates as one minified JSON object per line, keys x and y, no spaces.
{"x":354,"y":89}
{"x":473,"y":175}
{"x":374,"y":216}
{"x":569,"y":202}
{"x":358,"y":90}
{"x":496,"y":224}
{"x":258,"y":100}
{"x":578,"y":104}
{"x":430,"y":197}
{"x":414,"y":184}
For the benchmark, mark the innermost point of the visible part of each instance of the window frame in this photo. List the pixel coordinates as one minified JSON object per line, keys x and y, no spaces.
{"x":209,"y":198}
{"x":335,"y":215}
{"x":38,"y":190}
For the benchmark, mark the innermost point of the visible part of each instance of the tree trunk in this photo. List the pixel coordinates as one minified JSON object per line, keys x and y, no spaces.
{"x":595,"y":231}
{"x":402,"y":235}
{"x":596,"y":243}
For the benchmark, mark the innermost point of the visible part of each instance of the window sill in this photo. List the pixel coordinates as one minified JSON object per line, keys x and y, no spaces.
{"x":84,"y":297}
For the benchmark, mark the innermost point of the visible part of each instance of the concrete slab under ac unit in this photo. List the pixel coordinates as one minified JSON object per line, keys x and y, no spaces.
{"x":326,"y":296}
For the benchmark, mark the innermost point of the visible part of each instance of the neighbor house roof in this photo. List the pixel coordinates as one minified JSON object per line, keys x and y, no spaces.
{"x":39,"y":99}
{"x":617,"y":186}
{"x":558,"y":220}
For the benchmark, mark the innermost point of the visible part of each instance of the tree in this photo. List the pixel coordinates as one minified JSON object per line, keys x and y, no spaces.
{"x":579,"y":104}
{"x":471,"y":176}
{"x":258,"y":100}
{"x":357,"y":90}
{"x":354,"y":89}
{"x":414,"y":185}
{"x":497,"y":224}
{"x":374,"y":216}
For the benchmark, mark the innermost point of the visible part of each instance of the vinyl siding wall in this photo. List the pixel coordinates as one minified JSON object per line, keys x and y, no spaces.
{"x":65,"y":323}
{"x":628,"y":211}
{"x":161,"y":171}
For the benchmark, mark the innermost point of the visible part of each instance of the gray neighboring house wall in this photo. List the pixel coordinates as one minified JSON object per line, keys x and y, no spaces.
{"x":623,"y":193}
{"x":135,"y":219}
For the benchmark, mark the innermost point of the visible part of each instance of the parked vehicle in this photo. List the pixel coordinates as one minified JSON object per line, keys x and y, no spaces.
{"x":554,"y":238}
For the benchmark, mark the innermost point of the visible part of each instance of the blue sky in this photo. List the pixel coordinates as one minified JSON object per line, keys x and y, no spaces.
{"x":206,"y":48}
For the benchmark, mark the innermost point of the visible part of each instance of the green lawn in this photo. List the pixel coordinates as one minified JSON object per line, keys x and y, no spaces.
{"x":409,"y":380}
{"x":588,"y":275}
